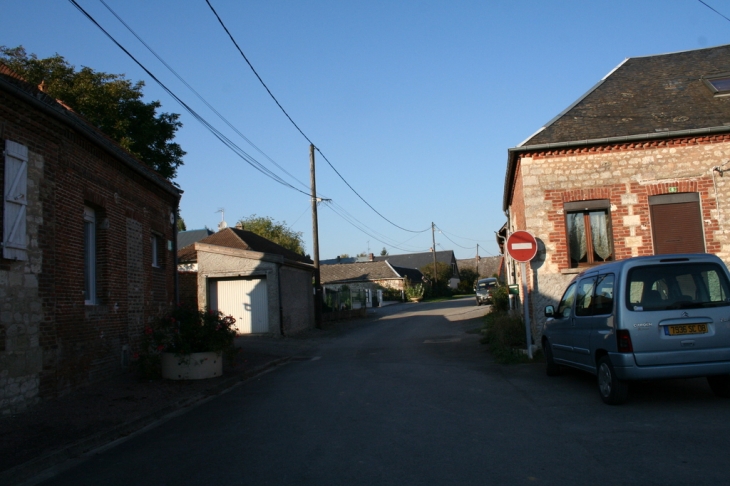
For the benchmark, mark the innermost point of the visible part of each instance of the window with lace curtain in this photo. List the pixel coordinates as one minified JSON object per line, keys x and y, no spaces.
{"x":588,"y":227}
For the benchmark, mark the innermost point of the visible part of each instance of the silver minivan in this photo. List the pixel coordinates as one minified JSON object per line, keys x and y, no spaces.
{"x":662,"y":316}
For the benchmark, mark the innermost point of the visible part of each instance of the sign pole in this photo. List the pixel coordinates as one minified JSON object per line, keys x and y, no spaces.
{"x":522,"y":246}
{"x":526,"y":312}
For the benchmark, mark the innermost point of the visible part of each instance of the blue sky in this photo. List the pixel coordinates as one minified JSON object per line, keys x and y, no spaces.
{"x":415,"y":103}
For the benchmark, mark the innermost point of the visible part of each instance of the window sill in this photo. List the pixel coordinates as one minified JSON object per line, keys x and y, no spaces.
{"x":572,"y":271}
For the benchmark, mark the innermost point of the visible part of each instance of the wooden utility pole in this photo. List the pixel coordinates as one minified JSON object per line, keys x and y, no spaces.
{"x":433,"y":238}
{"x":478,"y":262}
{"x":315,"y":243}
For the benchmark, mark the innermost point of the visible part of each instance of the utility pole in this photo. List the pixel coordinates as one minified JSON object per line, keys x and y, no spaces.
{"x":478,"y":262}
{"x":433,"y":238}
{"x":315,"y":243}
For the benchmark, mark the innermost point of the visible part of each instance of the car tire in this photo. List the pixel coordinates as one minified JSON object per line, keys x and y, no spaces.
{"x":551,"y":367}
{"x":478,"y":303}
{"x":720,"y":385}
{"x":612,"y":390}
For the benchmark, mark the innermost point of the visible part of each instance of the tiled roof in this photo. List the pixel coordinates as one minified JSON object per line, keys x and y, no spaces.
{"x":185,"y":238}
{"x":646,"y":95}
{"x":356,"y":272}
{"x":246,"y":240}
{"x":418,"y":260}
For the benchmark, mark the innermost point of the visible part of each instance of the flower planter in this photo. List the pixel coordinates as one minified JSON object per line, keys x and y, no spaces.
{"x":194,"y":366}
{"x":415,"y":299}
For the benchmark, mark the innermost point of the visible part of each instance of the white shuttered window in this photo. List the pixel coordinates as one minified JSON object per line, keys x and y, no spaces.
{"x":15,"y":240}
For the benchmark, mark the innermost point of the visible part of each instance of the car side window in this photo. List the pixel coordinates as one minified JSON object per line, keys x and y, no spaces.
{"x":566,"y":302}
{"x":585,"y":297}
{"x":603,"y":300}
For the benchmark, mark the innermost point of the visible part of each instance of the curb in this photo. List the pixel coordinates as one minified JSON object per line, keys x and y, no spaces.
{"x":34,"y":467}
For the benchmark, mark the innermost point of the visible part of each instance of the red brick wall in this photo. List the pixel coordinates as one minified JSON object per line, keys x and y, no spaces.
{"x":82,"y":343}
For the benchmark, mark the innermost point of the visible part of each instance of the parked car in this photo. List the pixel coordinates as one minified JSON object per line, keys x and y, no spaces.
{"x":483,"y":290}
{"x":644,"y":318}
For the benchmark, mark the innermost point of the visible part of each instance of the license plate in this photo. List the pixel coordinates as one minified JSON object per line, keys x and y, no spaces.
{"x":686,"y":329}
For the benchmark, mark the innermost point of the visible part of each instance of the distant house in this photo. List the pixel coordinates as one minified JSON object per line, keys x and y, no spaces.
{"x":633,"y":167}
{"x":485,"y":266}
{"x":266,"y":287}
{"x":367,"y":275}
{"x":88,"y":249}
{"x":420,"y":260}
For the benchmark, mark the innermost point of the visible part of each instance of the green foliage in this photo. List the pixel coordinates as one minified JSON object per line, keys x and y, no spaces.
{"x":443,"y":272}
{"x":383,"y":252}
{"x":500,"y":298}
{"x":109,"y":102}
{"x":468,"y":279}
{"x":275,"y":231}
{"x":504,"y":335}
{"x":181,"y":224}
{"x":183,"y":331}
{"x":413,"y":291}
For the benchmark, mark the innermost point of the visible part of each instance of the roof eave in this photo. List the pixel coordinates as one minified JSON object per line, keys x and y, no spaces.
{"x":512,"y":153}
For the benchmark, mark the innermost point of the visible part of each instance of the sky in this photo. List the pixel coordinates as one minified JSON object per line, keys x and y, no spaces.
{"x":411,"y":104}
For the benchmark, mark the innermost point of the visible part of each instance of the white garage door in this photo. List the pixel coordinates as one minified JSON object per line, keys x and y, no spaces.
{"x":245,"y":300}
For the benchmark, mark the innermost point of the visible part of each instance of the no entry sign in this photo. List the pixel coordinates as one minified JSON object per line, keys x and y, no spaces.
{"x":521,"y":246}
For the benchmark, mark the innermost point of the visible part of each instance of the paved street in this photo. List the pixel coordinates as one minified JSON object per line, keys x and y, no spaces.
{"x":413,"y":398}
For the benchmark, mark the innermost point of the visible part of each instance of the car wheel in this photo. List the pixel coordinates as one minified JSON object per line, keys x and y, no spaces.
{"x":720,"y":385}
{"x":613,"y":391}
{"x":478,"y":303}
{"x":551,"y":367}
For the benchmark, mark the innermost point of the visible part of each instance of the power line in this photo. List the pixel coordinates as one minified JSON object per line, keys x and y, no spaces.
{"x":297,"y":126}
{"x":225,"y":140}
{"x":200,"y":97}
{"x":718,"y":13}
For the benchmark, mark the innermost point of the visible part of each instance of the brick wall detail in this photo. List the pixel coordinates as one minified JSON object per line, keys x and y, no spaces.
{"x":50,"y":341}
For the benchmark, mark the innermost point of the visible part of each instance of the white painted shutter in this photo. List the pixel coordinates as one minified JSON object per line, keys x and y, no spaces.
{"x":16,"y":200}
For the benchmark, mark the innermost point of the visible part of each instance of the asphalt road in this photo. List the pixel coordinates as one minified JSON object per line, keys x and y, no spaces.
{"x":413,"y":398}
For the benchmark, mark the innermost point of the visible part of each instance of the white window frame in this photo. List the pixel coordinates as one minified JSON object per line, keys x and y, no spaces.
{"x":89,"y":256}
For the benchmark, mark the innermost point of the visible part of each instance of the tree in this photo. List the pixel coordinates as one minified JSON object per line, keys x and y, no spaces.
{"x":443,"y":272}
{"x":344,"y":255}
{"x":468,"y":278}
{"x":110,"y":102}
{"x":181,"y":224}
{"x":275,"y":231}
{"x":383,"y":252}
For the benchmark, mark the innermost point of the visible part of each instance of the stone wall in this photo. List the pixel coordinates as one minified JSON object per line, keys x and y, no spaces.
{"x":297,"y":300}
{"x":626,"y":175}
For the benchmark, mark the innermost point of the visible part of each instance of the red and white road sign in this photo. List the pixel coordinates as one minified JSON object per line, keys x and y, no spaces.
{"x":522,"y":246}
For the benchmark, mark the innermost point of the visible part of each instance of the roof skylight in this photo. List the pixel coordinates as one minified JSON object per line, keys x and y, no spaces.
{"x":718,"y":84}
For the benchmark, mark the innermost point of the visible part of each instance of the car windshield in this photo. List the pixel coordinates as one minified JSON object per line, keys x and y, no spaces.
{"x":677,"y":286}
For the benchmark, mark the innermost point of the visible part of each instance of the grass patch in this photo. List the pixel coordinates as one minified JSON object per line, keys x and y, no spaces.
{"x":505,"y":336}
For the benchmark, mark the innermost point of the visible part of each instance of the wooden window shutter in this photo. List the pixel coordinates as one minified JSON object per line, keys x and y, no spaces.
{"x":15,"y":242}
{"x":677,"y":224}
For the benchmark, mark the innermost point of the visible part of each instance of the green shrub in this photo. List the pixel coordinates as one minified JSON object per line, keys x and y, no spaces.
{"x":500,"y":298}
{"x":505,"y":336}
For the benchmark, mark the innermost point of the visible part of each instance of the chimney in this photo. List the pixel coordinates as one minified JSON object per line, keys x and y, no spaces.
{"x":372,"y":257}
{"x":239,"y":225}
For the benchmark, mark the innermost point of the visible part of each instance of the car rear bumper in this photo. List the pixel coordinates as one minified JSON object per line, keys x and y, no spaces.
{"x":627,"y":369}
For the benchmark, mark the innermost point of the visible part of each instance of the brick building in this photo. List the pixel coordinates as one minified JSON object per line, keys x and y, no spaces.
{"x":633,"y":167}
{"x":88,"y":249}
